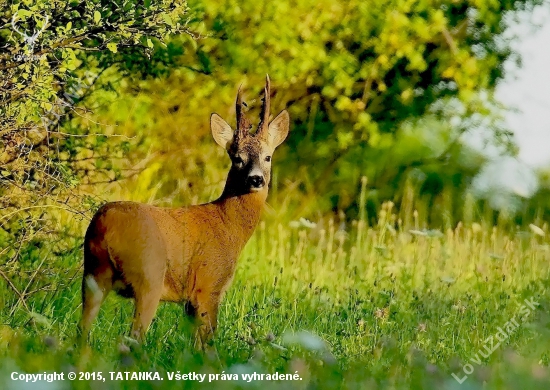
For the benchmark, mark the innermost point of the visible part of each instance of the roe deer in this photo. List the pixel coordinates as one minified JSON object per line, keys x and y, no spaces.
{"x":187,"y":254}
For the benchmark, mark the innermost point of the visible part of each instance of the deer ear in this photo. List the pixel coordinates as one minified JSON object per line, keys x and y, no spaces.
{"x":221,"y":131}
{"x":278,"y":129}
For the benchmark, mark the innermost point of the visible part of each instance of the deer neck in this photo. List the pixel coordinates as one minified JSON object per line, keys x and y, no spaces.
{"x":242,"y":211}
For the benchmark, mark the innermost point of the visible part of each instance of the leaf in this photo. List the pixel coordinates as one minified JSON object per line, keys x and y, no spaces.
{"x":448,"y":279}
{"x":149,"y":43}
{"x":535,"y":229}
{"x":307,"y":223}
{"x":168,"y":19}
{"x":382,"y":250}
{"x":279,"y":347}
{"x":23,"y":14}
{"x":112,"y":47}
{"x":418,"y":232}
{"x":305,"y":339}
{"x":97,"y":16}
{"x":40,"y":319}
{"x":434,"y":233}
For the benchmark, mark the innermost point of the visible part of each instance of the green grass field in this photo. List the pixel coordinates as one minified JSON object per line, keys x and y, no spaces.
{"x":342,"y":306}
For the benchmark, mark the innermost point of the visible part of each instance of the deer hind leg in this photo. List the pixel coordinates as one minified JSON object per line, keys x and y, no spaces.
{"x":95,"y":288}
{"x":146,"y":306}
{"x":147,"y":285}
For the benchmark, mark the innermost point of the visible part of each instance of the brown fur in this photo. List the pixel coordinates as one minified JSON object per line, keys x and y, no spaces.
{"x":185,"y":255}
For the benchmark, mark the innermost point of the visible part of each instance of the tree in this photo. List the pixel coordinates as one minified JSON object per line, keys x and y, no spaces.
{"x":356,"y":76}
{"x":53,"y":54}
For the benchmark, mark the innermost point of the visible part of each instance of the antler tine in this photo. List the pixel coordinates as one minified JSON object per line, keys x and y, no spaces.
{"x":267,"y":100}
{"x":239,"y":106}
{"x":264,"y":117}
{"x":243,"y":124}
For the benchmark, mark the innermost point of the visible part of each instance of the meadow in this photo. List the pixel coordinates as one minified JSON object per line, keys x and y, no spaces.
{"x":340,"y":303}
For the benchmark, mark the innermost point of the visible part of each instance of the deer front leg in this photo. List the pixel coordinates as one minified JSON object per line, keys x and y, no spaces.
{"x":206,"y":319}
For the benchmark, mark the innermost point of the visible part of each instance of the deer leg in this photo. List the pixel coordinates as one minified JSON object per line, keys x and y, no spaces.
{"x":206,"y":316}
{"x":94,"y":290}
{"x":146,"y":305}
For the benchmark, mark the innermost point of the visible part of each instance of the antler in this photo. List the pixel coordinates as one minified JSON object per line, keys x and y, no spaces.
{"x":243,"y":124}
{"x":238,"y":104}
{"x":264,"y":116}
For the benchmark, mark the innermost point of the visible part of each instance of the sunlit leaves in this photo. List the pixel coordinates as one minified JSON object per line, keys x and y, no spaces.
{"x":379,"y":53}
{"x":51,"y":54}
{"x":112,"y":47}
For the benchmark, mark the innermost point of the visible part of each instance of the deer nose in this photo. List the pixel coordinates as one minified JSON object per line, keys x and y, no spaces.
{"x":256,"y":181}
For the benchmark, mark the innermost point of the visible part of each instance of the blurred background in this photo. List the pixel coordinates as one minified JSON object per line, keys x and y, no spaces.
{"x":440,"y":105}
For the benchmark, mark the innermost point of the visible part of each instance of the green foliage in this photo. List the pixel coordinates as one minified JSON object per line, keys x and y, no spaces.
{"x":354,"y":72}
{"x":361,"y":80}
{"x":368,"y":66}
{"x":52,"y":54}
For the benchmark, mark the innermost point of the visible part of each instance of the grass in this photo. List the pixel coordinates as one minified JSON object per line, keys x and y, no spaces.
{"x":342,"y":305}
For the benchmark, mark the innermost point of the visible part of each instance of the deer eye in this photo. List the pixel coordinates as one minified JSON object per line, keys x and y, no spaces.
{"x":238,"y":161}
{"x":268,"y":158}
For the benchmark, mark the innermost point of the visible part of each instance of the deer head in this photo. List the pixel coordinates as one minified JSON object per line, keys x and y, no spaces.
{"x":250,"y":153}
